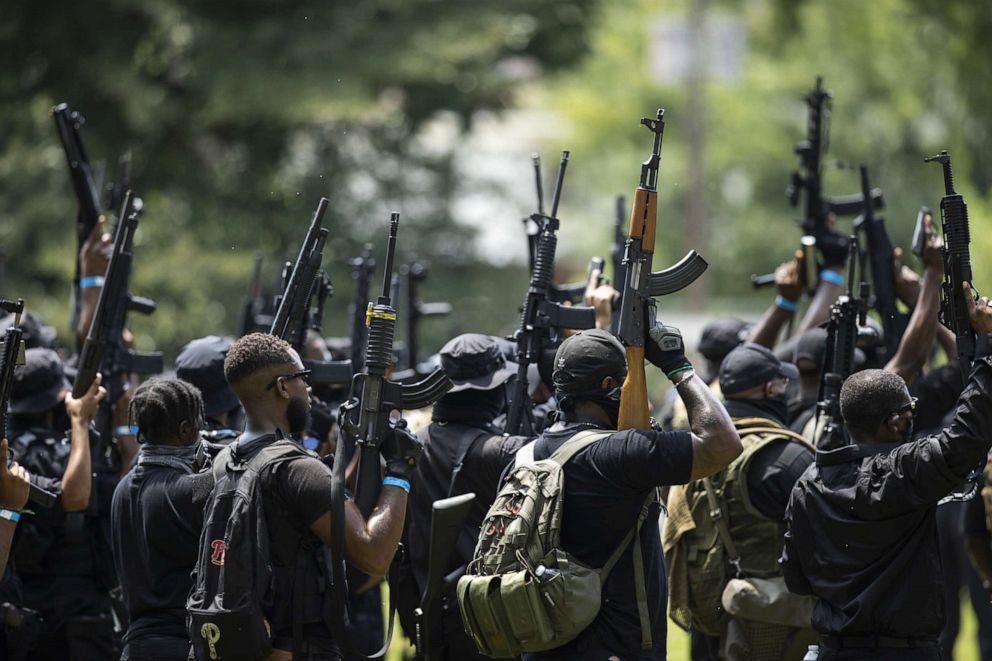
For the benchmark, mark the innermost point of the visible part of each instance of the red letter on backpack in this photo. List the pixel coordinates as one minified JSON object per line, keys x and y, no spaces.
{"x":219,"y":548}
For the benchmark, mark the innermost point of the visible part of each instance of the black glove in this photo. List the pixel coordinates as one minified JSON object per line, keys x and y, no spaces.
{"x":401,"y":450}
{"x":665,"y":349}
{"x":834,"y":249}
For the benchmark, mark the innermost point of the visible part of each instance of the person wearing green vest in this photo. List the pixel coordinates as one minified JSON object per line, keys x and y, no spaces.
{"x":730,"y":526}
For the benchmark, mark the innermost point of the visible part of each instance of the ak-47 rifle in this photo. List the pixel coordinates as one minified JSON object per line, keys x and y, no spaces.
{"x":808,"y":182}
{"x":541,"y":319}
{"x":957,"y":267}
{"x":640,"y":285}
{"x":293,"y":313}
{"x":411,"y":275}
{"x":847,"y":315}
{"x":447,"y":517}
{"x":362,"y":269}
{"x":12,"y":355}
{"x":365,"y":417}
{"x":103,"y":350}
{"x":879,"y":250}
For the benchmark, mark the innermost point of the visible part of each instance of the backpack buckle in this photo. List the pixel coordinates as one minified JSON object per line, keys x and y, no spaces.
{"x":716,"y":514}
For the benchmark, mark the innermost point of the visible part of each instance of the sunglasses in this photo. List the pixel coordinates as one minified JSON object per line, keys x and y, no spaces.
{"x":301,"y":374}
{"x":907,"y":408}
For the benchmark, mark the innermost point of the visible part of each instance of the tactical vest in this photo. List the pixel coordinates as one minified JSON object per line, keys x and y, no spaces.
{"x":757,"y":538}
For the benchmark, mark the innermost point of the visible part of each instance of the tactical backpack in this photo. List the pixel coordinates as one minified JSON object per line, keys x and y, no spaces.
{"x":522,"y":592}
{"x":233,"y":577}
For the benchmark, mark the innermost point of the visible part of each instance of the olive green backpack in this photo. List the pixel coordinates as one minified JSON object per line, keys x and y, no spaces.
{"x":521,"y":592}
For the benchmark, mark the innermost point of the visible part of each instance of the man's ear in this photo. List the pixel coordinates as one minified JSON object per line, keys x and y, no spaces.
{"x":609,"y":383}
{"x":185,"y":430}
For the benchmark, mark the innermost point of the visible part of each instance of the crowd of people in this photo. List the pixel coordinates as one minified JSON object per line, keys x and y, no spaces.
{"x":209,"y":525}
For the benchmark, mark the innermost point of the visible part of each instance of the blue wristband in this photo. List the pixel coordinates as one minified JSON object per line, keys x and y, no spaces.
{"x":10,"y":515}
{"x":125,"y":430}
{"x":92,"y":281}
{"x":785,"y":304}
{"x":832,"y":277}
{"x":396,"y":482}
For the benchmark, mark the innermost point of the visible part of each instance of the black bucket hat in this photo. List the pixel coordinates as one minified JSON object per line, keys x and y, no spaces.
{"x":39,"y":384}
{"x":475,"y":362}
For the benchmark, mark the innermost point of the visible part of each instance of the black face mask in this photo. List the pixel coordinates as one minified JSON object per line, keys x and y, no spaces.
{"x":298,"y":415}
{"x":907,"y":433}
{"x":609,"y":401}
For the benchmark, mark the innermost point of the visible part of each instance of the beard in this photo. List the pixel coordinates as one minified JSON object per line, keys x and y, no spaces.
{"x":298,"y":415}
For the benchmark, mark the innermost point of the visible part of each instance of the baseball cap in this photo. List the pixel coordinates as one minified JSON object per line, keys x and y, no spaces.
{"x":751,"y":365}
{"x":201,"y":362}
{"x":722,"y":336}
{"x":585,"y":359}
{"x":39,"y":384}
{"x":475,"y":362}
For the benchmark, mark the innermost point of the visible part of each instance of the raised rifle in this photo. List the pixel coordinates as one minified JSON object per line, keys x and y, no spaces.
{"x":616,"y":255}
{"x":807,"y":182}
{"x":253,"y":317}
{"x":68,"y":123}
{"x":103,"y":349}
{"x":541,"y":319}
{"x":532,"y":223}
{"x":879,"y":249}
{"x":11,"y":356}
{"x":293,"y":312}
{"x":919,"y":243}
{"x":847,"y":315}
{"x":365,"y":417}
{"x":575,"y":292}
{"x":640,"y":285}
{"x":362,"y":269}
{"x":412,"y":275}
{"x":447,"y":517}
{"x":957,"y":267}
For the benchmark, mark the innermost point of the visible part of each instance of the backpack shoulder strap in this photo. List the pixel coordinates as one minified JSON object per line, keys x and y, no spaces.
{"x":576,"y":444}
{"x":779,"y":431}
{"x":525,"y":455}
{"x":465,"y":446}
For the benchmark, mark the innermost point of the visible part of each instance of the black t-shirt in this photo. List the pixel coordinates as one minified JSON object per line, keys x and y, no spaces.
{"x":157,"y":516}
{"x":480,"y":474}
{"x":605,"y":487}
{"x":773,"y":472}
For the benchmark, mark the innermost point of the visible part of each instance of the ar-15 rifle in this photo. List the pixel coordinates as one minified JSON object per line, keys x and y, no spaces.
{"x":883,"y":276}
{"x":103,"y":350}
{"x":293,"y":313}
{"x":808,"y":182}
{"x":365,"y":417}
{"x":68,"y":123}
{"x":540,"y":317}
{"x":362,"y":268}
{"x":640,"y":285}
{"x":411,"y":275}
{"x":12,"y":355}
{"x":847,"y":315}
{"x":447,"y":517}
{"x":532,"y":223}
{"x":957,"y":267}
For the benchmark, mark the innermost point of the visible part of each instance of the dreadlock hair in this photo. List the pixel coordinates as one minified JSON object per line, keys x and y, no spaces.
{"x":868,"y":397}
{"x":159,"y":406}
{"x":254,"y":352}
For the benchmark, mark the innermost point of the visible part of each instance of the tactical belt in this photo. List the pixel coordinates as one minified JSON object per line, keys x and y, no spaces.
{"x":873,"y":642}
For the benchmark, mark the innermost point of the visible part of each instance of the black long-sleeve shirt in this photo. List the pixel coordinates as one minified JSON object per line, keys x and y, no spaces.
{"x":862,"y":524}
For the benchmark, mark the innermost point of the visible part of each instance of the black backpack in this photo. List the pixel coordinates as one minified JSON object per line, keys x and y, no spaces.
{"x":232,"y":582}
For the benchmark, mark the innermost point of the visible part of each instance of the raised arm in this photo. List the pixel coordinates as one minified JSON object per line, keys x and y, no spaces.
{"x":715,"y":442}
{"x":77,"y":478}
{"x":790,"y":289}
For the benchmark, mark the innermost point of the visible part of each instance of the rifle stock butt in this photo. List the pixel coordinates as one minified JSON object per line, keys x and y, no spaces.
{"x":634,"y":411}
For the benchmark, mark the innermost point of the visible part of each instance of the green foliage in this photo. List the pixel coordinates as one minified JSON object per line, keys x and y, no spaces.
{"x":239,"y":116}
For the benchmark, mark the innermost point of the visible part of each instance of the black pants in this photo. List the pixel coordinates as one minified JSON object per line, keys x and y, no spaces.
{"x":156,"y":648}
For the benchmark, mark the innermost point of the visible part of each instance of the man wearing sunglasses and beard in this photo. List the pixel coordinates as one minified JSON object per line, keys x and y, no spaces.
{"x":269,"y":379}
{"x":862,"y":521}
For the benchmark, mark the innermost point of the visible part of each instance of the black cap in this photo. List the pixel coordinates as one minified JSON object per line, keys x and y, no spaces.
{"x":34,"y":331}
{"x":201,"y":362}
{"x":39,"y":384}
{"x":585,"y":359}
{"x":722,"y":336}
{"x":475,"y":362}
{"x":751,"y":365}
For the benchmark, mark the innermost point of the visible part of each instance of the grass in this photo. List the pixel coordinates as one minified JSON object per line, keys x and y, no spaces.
{"x":965,"y":649}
